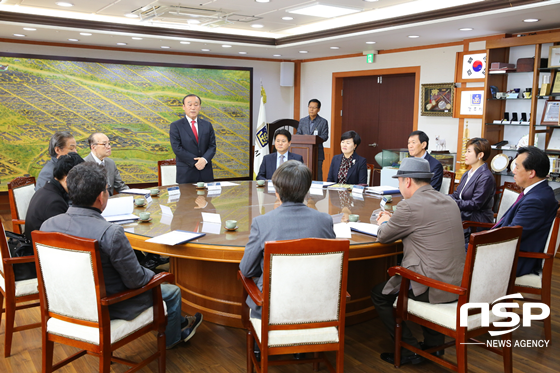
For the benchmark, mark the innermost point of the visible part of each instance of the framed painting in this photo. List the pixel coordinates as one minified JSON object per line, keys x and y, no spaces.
{"x":470,"y":102}
{"x":437,"y":99}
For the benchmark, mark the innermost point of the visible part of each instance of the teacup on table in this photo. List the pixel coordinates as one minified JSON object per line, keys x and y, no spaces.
{"x":144,"y":215}
{"x":154,"y":192}
{"x":200,"y":184}
{"x":231,"y":224}
{"x":141,"y":201}
{"x":353,"y":217}
{"x":261,"y":182}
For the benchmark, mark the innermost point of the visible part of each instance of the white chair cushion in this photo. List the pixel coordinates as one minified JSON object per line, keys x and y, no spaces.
{"x":445,"y":185}
{"x":279,"y":338}
{"x":508,"y":198}
{"x":168,"y":175}
{"x":26,"y":287}
{"x":531,"y":280}
{"x":22,"y":196}
{"x":119,"y":328}
{"x":444,"y":314}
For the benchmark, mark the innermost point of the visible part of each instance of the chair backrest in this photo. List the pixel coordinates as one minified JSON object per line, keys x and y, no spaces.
{"x":447,"y":182}
{"x":69,"y":291}
{"x":370,"y":171}
{"x":167,"y":172}
{"x":304,"y":282}
{"x":552,"y":248}
{"x":491,"y":264}
{"x":280,"y":123}
{"x":4,"y":253}
{"x":20,"y":191}
{"x":509,"y":196}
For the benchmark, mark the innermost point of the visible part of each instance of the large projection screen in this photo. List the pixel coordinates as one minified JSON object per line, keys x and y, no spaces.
{"x":132,"y":103}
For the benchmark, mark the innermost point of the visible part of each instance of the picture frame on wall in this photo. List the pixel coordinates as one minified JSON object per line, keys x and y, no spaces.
{"x":554,"y":56}
{"x":556,"y":85}
{"x":470,"y":102}
{"x":470,"y":66}
{"x":551,"y":113}
{"x":437,"y":99}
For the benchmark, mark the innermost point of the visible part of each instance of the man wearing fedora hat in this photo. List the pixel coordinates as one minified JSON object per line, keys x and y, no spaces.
{"x":429,"y":224}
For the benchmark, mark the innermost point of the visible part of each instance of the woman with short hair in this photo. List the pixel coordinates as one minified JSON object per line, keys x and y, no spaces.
{"x":348,"y":167}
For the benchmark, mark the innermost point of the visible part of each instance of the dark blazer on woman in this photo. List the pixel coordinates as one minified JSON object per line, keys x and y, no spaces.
{"x":48,"y":201}
{"x":478,"y":196}
{"x":357,"y":174}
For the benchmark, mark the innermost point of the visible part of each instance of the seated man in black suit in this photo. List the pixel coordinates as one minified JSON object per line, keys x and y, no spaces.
{"x":282,"y":141}
{"x":418,"y":147}
{"x":52,"y":199}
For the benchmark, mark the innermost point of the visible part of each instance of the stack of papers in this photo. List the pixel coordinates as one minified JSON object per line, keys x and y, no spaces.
{"x":119,"y":210}
{"x":382,"y":190}
{"x":141,"y":192}
{"x":176,"y":237}
{"x":343,"y":230}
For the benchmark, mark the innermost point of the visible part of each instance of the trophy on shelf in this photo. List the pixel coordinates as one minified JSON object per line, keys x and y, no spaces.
{"x":462,"y":165}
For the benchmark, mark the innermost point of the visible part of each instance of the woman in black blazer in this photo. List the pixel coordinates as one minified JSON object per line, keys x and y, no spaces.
{"x":475,"y":193}
{"x":348,"y":167}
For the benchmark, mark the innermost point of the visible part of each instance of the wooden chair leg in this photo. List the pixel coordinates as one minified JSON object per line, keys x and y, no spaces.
{"x":161,"y":349}
{"x":264,"y":360}
{"x":1,"y":307}
{"x":340,"y":360}
{"x":250,"y":344}
{"x":316,"y":365}
{"x":461,"y":350}
{"x":398,"y":336}
{"x":507,"y":353}
{"x":548,"y":328}
{"x":105,"y":361}
{"x":48,"y":347}
{"x":9,"y":330}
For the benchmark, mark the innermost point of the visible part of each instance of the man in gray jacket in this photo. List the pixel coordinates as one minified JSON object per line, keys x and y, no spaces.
{"x":429,"y":224}
{"x":87,"y":187}
{"x":100,"y":152}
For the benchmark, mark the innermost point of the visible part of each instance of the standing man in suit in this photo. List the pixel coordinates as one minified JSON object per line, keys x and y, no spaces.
{"x":429,"y":224}
{"x":194,"y":143}
{"x":313,"y":124}
{"x":100,"y":152}
{"x":292,"y":180}
{"x":417,"y":147}
{"x":535,"y":208}
{"x":282,"y":141}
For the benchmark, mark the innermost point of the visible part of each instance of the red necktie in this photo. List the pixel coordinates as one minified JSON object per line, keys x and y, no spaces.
{"x":194,"y":130}
{"x":515,"y":203}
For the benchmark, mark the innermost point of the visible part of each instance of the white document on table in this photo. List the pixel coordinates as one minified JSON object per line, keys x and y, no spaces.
{"x":119,"y":209}
{"x":209,"y":217}
{"x":141,"y":192}
{"x":342,"y":230}
{"x":365,"y":228}
{"x":175,"y":237}
{"x":213,"y":228}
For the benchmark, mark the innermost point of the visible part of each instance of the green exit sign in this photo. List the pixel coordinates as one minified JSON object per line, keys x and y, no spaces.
{"x":369,"y":58}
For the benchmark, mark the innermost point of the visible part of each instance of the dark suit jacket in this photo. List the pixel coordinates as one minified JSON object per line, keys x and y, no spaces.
{"x":186,"y":149}
{"x":357,"y":174}
{"x":322,"y":127}
{"x":535,"y":212}
{"x":48,"y":201}
{"x":268,"y":165}
{"x":429,"y":224}
{"x":121,"y":270}
{"x":284,"y":223}
{"x":478,"y":196}
{"x":437,"y":169}
{"x":114,"y":180}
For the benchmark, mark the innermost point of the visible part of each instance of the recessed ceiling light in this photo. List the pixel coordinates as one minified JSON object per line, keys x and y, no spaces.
{"x":276,"y":55}
{"x":325,"y":11}
{"x":287,"y":18}
{"x":64,"y":4}
{"x":73,"y":40}
{"x":466,"y":29}
{"x":413,"y":36}
{"x":136,"y":38}
{"x":242,"y":52}
{"x":29,"y":29}
{"x":262,"y":1}
{"x":302,"y":51}
{"x":193,"y":21}
{"x":335,"y":48}
{"x":205,"y":50}
{"x":165,"y":47}
{"x":20,"y":35}
{"x":370,"y":1}
{"x":531,"y":20}
{"x":257,"y":25}
{"x":121,"y":43}
{"x":85,"y":33}
{"x":131,"y":15}
{"x":226,"y":46}
{"x":370,"y":42}
{"x":185,"y":42}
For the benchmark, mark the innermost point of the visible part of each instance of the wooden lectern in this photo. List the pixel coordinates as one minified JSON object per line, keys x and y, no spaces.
{"x":306,"y":146}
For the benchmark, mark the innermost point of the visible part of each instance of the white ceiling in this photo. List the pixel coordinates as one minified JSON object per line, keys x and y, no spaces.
{"x":224,"y":18}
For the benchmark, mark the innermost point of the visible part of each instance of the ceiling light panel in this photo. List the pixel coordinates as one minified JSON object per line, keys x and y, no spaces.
{"x":323,"y":10}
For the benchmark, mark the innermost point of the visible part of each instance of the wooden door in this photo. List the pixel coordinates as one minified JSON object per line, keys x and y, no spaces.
{"x":381,"y":110}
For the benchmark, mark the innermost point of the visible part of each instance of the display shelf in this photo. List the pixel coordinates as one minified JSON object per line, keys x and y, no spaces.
{"x":508,"y":124}
{"x":509,"y":99}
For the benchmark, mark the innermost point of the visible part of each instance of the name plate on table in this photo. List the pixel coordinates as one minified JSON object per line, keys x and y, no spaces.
{"x":358,"y":189}
{"x":174,"y":191}
{"x":214,"y":188}
{"x":271,"y":188}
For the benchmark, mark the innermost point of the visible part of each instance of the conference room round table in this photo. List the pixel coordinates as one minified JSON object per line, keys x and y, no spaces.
{"x":206,"y":269}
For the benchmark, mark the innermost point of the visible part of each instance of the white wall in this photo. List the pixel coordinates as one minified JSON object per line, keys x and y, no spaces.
{"x":280,"y":99}
{"x":436,"y":66}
